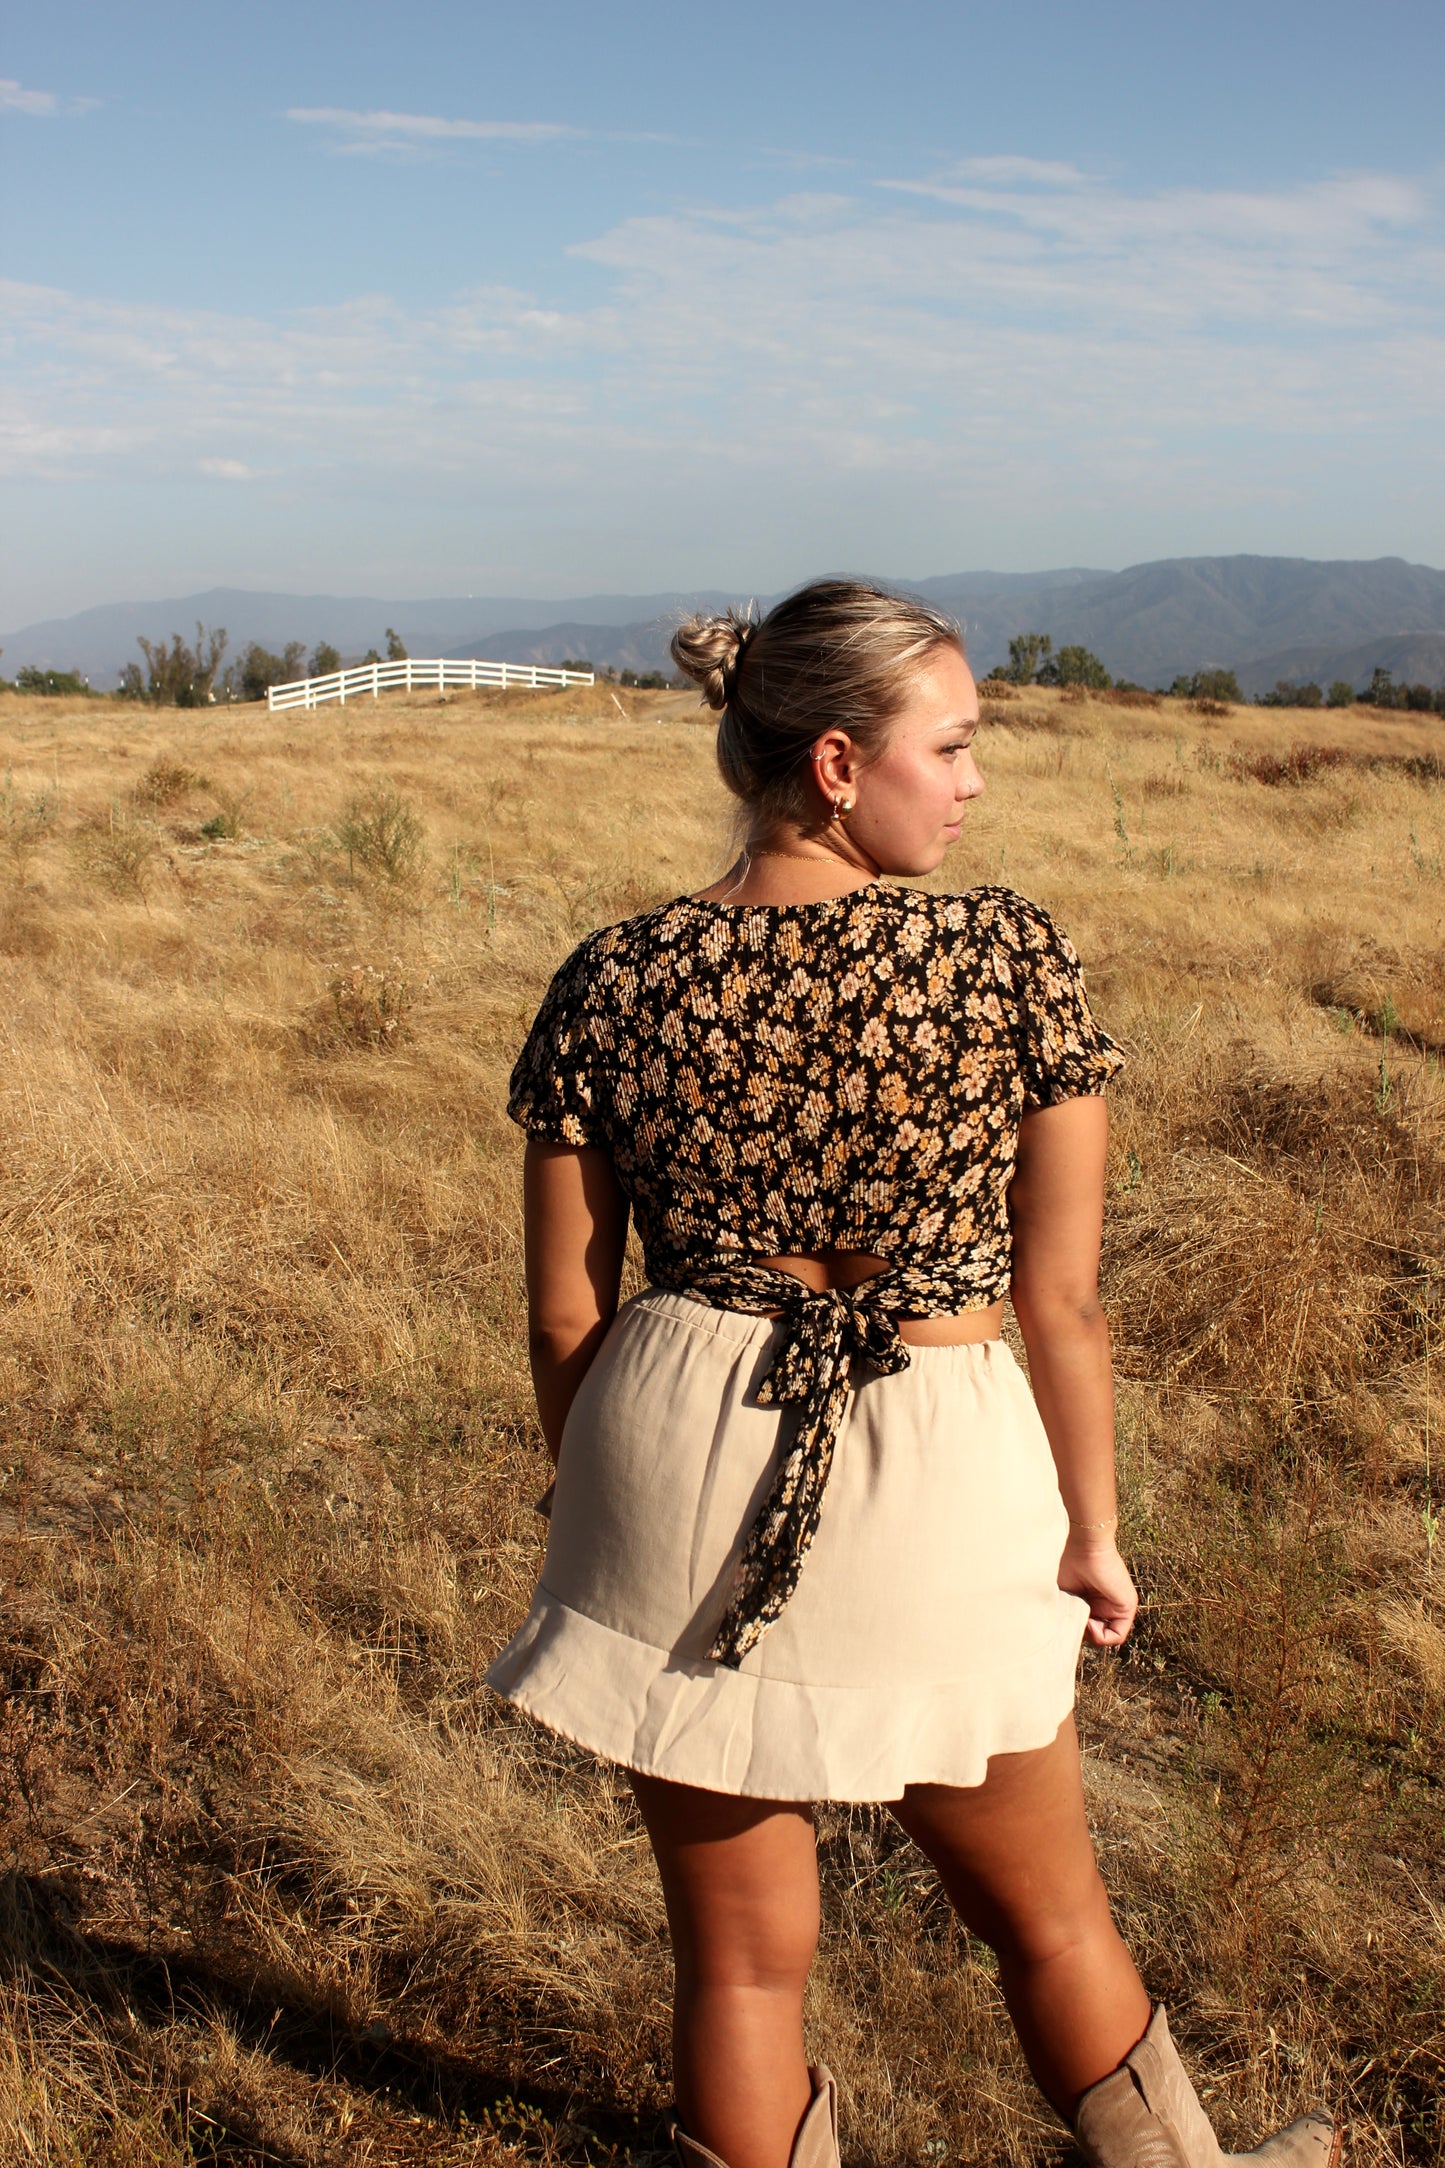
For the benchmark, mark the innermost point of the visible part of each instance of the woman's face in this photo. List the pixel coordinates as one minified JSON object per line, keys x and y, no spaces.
{"x":909,"y":800}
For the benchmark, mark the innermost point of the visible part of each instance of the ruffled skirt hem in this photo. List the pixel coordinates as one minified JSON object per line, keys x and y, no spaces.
{"x":767,"y":1738}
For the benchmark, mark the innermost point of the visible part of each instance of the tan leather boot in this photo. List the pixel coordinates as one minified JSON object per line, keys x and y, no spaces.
{"x":1146,"y":2114}
{"x":816,"y":2145}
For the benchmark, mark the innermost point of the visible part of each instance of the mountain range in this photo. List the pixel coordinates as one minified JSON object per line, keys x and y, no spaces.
{"x":1264,"y":617}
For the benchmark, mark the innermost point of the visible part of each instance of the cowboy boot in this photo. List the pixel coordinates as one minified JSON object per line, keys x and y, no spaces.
{"x":1146,"y":2114}
{"x":816,"y":2145}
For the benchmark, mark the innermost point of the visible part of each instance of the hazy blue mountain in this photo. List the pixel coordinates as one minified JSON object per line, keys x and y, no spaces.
{"x":641,"y":646}
{"x":1266,"y":617}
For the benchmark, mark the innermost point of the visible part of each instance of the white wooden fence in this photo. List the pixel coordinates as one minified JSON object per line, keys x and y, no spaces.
{"x":416,"y":676}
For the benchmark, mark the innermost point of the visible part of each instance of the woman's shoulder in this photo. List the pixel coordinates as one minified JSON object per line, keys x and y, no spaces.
{"x":993,"y":913}
{"x":616,"y":952}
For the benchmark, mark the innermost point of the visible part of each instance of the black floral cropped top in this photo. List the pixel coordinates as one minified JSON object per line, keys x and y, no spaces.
{"x":847,"y":1074}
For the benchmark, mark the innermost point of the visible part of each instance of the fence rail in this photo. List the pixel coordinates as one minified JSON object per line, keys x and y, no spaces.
{"x":416,"y":675}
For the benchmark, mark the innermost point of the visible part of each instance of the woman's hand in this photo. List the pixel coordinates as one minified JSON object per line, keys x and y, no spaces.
{"x":1092,"y":1568}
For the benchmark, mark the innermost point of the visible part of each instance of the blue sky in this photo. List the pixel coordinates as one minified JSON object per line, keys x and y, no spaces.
{"x":553,"y":298}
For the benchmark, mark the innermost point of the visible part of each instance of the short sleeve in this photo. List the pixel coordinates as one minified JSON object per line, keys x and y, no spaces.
{"x":553,"y":1090}
{"x":1063,"y":1053}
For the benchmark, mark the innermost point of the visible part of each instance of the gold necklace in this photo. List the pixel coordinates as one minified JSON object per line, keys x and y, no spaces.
{"x":804,"y":858}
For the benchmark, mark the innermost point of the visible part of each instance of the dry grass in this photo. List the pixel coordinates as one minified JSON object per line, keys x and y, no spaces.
{"x":282,"y":1884}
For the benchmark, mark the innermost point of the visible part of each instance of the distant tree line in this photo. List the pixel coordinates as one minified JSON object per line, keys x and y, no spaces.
{"x":179,"y":673}
{"x":1381,"y":692}
{"x":641,"y":680}
{"x":1033,"y":661}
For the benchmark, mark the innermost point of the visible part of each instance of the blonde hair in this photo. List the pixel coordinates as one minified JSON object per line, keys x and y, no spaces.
{"x":838,"y":654}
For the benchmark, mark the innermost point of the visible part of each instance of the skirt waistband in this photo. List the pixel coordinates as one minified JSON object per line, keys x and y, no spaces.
{"x":749,"y":1329}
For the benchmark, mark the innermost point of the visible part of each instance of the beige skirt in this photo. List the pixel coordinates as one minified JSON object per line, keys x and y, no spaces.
{"x":927,"y":1632}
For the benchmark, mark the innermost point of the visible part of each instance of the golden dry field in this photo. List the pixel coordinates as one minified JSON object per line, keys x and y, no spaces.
{"x":282,"y":1884}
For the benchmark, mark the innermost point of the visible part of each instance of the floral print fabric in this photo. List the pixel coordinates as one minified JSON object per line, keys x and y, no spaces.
{"x":850,"y":1074}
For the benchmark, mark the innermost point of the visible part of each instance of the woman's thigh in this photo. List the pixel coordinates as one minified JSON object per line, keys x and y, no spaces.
{"x":1014,"y":1853}
{"x":740,"y":1877}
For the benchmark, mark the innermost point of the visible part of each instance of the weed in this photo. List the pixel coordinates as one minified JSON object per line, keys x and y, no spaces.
{"x":382,"y":832}
{"x":228,"y":823}
{"x":121,"y":848}
{"x":1426,"y":864}
{"x":370,"y":1003}
{"x":1121,"y":830}
{"x":1049,"y":760}
{"x":26,"y":822}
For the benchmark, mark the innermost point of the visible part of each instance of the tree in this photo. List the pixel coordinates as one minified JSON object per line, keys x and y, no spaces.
{"x":177,"y":675}
{"x":395,"y":652}
{"x":325,"y":662}
{"x":258,"y":669}
{"x":29,"y":678}
{"x":1207,"y":685}
{"x":1025,"y":654}
{"x":1076,"y":666}
{"x":1382,"y":693}
{"x":1341,"y":694}
{"x":1287,"y":694}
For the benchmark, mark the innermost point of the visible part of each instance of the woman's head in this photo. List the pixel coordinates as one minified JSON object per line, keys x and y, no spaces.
{"x":844,"y":700}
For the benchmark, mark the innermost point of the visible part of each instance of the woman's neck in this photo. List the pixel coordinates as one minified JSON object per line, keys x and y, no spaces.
{"x":795,"y":868}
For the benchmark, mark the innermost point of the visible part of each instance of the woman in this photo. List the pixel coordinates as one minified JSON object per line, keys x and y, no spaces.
{"x":812,"y":1536}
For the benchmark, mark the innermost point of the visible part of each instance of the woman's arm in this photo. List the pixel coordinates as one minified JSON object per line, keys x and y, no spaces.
{"x":576,"y":1232}
{"x":1056,"y":1204}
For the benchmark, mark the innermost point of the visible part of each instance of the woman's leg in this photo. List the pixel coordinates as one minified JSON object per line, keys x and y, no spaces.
{"x":740,"y":1877}
{"x":1015,"y":1856}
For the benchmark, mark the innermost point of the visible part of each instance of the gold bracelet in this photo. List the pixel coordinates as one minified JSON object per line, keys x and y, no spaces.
{"x":1087,"y":1527}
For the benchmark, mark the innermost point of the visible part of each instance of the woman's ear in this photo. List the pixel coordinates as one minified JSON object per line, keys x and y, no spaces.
{"x":834,"y":763}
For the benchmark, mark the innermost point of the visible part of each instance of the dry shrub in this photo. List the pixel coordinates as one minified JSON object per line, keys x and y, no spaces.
{"x":1212,"y":709}
{"x":1133,"y":696}
{"x":382,"y":832}
{"x":997,"y":688}
{"x":1050,"y":759}
{"x":120,"y":848}
{"x":1174,"y":783}
{"x":1025,"y":719}
{"x":167,"y":781}
{"x":1301,"y":764}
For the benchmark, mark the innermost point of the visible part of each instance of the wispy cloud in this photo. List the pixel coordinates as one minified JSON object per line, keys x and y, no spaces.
{"x":1023,"y":172}
{"x":394,"y":130}
{"x":39,"y":104}
{"x":1021,"y":346}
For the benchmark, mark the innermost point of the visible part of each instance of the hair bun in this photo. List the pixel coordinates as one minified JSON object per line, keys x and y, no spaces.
{"x":708,"y":650}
